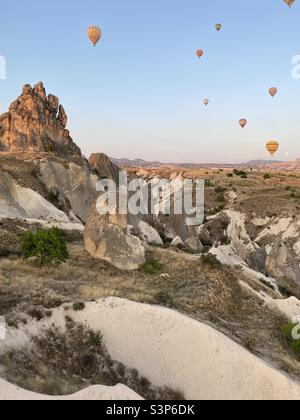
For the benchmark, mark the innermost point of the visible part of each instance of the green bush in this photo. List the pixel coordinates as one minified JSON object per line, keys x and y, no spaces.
{"x":163,"y":298}
{"x":210,"y":260}
{"x":151,"y":267}
{"x":48,"y":246}
{"x":96,"y":339}
{"x":221,"y":199}
{"x":78,"y":306}
{"x":267,"y":176}
{"x":287,"y":331}
{"x":241,"y":174}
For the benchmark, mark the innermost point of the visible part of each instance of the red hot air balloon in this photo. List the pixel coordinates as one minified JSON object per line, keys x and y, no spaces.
{"x":243,"y":123}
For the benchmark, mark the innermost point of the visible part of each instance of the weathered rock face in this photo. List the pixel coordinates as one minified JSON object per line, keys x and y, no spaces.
{"x":103,"y":167}
{"x":36,"y":122}
{"x":106,"y":238}
{"x":17,"y":202}
{"x":282,"y":261}
{"x":72,"y":184}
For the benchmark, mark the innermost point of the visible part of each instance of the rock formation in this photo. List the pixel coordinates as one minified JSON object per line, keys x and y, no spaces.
{"x":106,"y":238}
{"x":73,"y":185}
{"x":104,"y":167}
{"x":282,"y":261}
{"x":37,"y":123}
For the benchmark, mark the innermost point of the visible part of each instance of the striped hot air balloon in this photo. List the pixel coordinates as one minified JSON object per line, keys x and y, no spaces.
{"x":289,"y":2}
{"x":272,"y":147}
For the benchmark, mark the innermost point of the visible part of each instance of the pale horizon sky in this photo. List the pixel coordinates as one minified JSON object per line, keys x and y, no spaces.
{"x":139,"y":94}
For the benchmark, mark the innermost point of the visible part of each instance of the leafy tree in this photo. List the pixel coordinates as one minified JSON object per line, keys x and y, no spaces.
{"x":48,"y":246}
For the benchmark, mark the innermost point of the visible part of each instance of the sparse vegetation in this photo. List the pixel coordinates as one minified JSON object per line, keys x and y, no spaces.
{"x":96,"y":339}
{"x":47,"y":246}
{"x":163,"y":298}
{"x":211,"y":260}
{"x":287,"y":331}
{"x":241,"y":174}
{"x":206,"y":249}
{"x":78,"y":306}
{"x":151,"y":267}
{"x":64,"y":363}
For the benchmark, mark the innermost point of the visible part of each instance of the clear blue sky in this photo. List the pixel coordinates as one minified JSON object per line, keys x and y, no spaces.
{"x":140,"y":92}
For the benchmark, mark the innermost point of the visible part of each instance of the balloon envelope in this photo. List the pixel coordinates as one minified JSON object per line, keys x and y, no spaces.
{"x":218,"y":26}
{"x":199,"y":53}
{"x":206,"y":102}
{"x":243,"y":123}
{"x":272,"y":147}
{"x":273,"y":91}
{"x":94,"y":34}
{"x":289,"y":2}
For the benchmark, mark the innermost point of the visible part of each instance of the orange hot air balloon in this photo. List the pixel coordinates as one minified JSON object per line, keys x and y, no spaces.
{"x":199,"y":53}
{"x":289,"y":2}
{"x":243,"y":123}
{"x":206,"y":102}
{"x":272,"y":147}
{"x":218,"y":27}
{"x":94,"y":34}
{"x":273,"y":91}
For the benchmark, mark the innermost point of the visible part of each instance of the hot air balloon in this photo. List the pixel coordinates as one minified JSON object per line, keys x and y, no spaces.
{"x":273,"y":91}
{"x":289,"y":2}
{"x":199,"y":53}
{"x":206,"y":102}
{"x":243,"y":123}
{"x":94,"y":34}
{"x":218,"y":27}
{"x":272,"y":147}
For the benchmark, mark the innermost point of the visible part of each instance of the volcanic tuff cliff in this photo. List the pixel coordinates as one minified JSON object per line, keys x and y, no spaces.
{"x":37,"y":123}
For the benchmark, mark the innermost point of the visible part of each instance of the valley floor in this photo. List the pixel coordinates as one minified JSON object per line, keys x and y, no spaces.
{"x":211,"y":294}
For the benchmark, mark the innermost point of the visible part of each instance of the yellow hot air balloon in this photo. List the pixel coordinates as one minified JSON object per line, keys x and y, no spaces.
{"x":272,"y":147}
{"x":206,"y":102}
{"x":218,"y":27}
{"x":199,"y":53}
{"x":289,"y":2}
{"x":243,"y":123}
{"x":94,"y":34}
{"x":273,"y":91}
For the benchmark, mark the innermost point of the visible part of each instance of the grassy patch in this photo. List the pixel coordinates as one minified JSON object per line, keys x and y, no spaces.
{"x":151,"y":267}
{"x":288,"y":330}
{"x":211,"y":261}
{"x":163,"y":298}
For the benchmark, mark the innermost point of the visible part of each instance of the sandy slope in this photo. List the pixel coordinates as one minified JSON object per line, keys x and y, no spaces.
{"x":173,"y":350}
{"x":119,"y":392}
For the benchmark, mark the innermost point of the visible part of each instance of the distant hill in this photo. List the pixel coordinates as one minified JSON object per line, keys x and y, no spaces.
{"x":254,"y":164}
{"x":139,"y":163}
